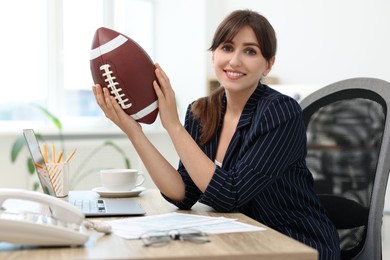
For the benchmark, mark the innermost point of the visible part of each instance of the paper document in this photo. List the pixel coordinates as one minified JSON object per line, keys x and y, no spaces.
{"x":134,"y":227}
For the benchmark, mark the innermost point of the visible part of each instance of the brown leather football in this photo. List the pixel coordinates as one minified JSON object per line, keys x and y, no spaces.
{"x":123,"y":66}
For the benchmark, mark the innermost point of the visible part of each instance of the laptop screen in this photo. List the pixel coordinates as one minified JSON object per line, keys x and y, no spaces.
{"x":37,"y":158}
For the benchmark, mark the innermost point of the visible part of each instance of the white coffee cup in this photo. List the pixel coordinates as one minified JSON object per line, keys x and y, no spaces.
{"x":121,"y":179}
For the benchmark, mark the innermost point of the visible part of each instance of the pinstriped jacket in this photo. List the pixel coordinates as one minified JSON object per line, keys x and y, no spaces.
{"x":264,"y":174}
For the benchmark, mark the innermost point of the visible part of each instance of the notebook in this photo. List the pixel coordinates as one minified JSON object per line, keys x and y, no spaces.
{"x":91,"y":208}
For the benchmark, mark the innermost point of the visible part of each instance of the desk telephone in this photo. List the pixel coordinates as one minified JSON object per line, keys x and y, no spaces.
{"x":60,"y":225}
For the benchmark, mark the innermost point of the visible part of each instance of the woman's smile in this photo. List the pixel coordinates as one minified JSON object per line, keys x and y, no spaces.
{"x":233,"y":74}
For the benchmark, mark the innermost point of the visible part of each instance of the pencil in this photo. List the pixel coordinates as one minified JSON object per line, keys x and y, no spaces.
{"x":60,"y":157}
{"x":45,"y":153}
{"x":70,"y":156}
{"x":53,"y":155}
{"x":38,"y":165}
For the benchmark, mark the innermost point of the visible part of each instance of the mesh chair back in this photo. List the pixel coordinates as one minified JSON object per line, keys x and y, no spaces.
{"x":348,"y":142}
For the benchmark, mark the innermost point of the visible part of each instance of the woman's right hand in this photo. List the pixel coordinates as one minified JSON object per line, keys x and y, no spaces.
{"x":113,"y":111}
{"x":162,"y":172}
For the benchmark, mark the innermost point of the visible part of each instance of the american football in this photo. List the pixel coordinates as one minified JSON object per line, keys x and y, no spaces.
{"x":123,"y":66}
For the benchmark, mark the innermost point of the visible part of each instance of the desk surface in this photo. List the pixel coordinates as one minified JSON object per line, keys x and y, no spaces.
{"x":267,"y":244}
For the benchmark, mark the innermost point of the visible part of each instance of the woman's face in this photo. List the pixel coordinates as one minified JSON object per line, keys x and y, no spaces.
{"x":239,"y":65}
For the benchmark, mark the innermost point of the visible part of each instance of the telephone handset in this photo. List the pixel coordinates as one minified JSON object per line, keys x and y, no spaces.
{"x":60,"y":226}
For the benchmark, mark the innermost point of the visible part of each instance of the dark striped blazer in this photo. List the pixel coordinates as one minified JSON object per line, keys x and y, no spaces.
{"x":264,"y":173}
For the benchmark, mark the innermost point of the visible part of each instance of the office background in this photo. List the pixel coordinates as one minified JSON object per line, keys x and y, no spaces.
{"x":320,"y":42}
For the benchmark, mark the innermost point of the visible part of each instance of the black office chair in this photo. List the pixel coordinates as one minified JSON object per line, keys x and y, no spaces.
{"x":349,"y":155}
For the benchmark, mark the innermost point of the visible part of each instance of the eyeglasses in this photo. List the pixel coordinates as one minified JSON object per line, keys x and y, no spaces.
{"x":161,"y":238}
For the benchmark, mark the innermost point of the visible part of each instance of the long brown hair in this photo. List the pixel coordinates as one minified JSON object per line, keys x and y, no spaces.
{"x":208,"y":109}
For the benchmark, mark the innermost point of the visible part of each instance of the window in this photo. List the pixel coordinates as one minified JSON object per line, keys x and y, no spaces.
{"x":47,"y":53}
{"x":24,"y":57}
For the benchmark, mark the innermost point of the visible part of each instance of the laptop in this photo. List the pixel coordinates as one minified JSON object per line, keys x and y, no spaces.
{"x":90,"y":207}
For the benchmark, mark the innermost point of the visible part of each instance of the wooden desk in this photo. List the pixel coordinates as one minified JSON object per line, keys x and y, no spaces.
{"x":267,"y":244}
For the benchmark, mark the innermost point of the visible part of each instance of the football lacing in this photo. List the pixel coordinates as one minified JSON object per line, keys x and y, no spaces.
{"x":110,"y":79}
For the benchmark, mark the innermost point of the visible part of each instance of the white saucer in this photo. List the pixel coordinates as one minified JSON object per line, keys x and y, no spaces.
{"x":104,"y":192}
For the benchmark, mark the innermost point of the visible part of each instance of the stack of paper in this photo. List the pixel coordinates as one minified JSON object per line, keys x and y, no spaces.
{"x":133,"y":228}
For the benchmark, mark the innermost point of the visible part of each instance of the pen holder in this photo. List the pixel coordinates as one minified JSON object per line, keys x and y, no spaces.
{"x":59,"y":176}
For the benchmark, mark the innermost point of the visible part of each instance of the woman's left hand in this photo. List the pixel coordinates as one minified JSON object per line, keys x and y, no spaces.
{"x":166,"y":100}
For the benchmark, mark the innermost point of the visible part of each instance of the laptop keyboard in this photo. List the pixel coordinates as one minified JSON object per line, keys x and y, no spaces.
{"x":90,"y":206}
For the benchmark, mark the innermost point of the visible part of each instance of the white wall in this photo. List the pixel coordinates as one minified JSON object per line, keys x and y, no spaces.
{"x":180,"y":47}
{"x":323,"y":41}
{"x":11,"y":175}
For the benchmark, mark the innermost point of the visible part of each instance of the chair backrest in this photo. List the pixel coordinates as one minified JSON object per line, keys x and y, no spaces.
{"x":348,"y":135}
